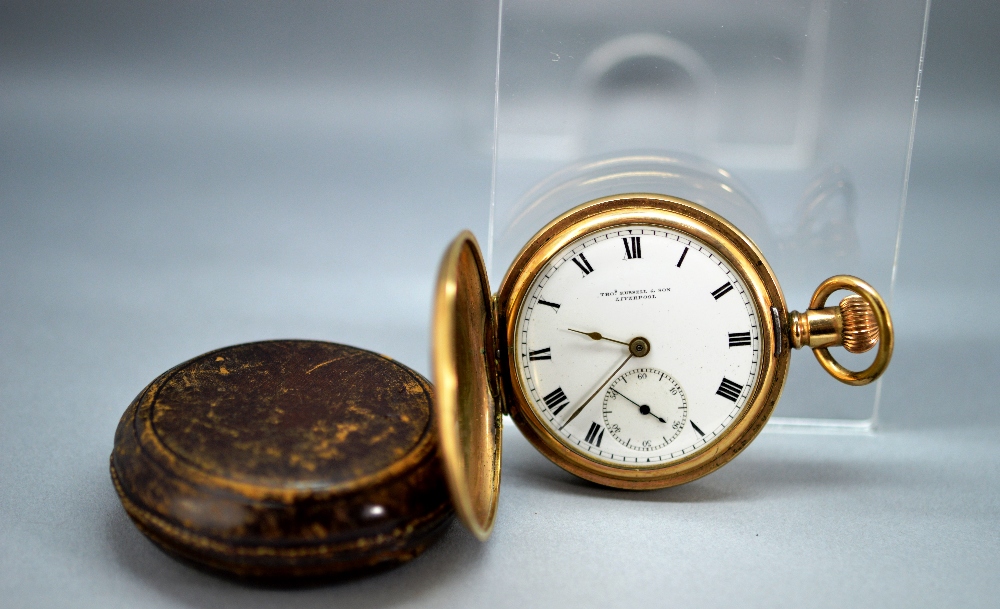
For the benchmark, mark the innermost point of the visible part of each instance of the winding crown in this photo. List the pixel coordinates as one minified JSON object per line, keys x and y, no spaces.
{"x":860,"y":326}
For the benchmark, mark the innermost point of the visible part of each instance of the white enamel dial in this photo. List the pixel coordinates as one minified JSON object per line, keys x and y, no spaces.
{"x":621,"y":284}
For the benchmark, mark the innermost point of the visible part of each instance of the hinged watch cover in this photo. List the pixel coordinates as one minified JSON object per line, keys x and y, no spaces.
{"x":468,"y":403}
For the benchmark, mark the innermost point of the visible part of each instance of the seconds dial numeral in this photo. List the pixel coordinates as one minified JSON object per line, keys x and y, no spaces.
{"x":581,"y":261}
{"x":556,"y":401}
{"x":593,"y":436}
{"x":635,"y":251}
{"x":540,"y":354}
{"x":729,"y":390}
{"x":739,"y":339}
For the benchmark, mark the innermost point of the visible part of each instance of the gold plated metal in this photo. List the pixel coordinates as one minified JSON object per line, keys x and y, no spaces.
{"x":684,"y":217}
{"x":851,"y":324}
{"x":858,"y":323}
{"x":860,"y":326}
{"x":816,"y":328}
{"x":467,"y":405}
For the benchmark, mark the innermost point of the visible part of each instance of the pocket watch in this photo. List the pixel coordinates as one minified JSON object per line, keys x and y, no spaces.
{"x":638,"y":341}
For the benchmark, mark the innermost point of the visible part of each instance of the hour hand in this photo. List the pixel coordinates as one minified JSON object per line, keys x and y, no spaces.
{"x":598,"y":336}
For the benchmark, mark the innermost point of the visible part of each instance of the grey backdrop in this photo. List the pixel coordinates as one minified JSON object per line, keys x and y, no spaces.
{"x":175,"y":177}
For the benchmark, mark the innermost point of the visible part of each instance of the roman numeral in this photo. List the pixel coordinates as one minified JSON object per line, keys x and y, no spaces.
{"x":592,"y":435}
{"x":583,"y":264}
{"x":729,"y":390}
{"x":681,"y":261}
{"x":695,"y":427}
{"x":723,"y":290}
{"x":540,"y":354}
{"x":554,"y":306}
{"x":635,"y":251}
{"x":739,"y":339}
{"x":556,"y":401}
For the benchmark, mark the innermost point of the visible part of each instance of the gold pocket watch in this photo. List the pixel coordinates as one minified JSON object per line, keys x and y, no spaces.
{"x":638,"y":341}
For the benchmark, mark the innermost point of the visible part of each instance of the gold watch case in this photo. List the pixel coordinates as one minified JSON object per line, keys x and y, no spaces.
{"x":476,"y":373}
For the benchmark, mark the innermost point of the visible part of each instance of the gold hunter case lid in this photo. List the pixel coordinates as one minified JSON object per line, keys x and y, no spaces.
{"x":467,"y":403}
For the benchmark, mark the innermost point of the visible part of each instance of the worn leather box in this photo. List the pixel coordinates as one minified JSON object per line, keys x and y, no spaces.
{"x":284,"y":459}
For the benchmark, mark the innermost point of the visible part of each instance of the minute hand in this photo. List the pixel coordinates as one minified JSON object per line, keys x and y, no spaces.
{"x":599,"y":387}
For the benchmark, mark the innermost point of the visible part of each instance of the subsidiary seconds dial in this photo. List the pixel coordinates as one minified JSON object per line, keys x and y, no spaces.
{"x":645,"y":409}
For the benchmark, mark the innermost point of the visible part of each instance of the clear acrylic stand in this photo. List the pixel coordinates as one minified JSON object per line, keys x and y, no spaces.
{"x":791,"y":118}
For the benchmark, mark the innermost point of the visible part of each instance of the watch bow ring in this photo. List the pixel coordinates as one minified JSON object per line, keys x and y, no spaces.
{"x":858,"y":324}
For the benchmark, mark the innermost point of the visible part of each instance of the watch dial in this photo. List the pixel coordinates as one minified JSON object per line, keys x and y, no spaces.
{"x":640,"y":407}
